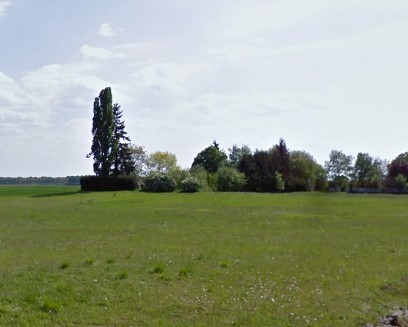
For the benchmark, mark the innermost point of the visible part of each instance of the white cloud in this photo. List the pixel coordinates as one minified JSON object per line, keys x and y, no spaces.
{"x":44,"y":95}
{"x":46,"y":115}
{"x":11,"y":92}
{"x":98,"y":53}
{"x":173,"y":78}
{"x":3,"y":6}
{"x":106,"y":30}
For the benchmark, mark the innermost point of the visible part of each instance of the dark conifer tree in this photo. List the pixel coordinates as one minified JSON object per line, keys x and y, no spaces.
{"x":280,"y":154}
{"x":123,"y":163}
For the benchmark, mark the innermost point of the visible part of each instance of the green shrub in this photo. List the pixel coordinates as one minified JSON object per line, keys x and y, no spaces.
{"x":178,"y":175}
{"x":190,"y":185}
{"x":400,"y":182}
{"x":158,"y":183}
{"x":205,"y":178}
{"x":111,"y":183}
{"x":228,"y":179}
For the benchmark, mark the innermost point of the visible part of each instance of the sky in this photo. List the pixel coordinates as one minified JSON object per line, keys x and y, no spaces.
{"x":322,"y":75}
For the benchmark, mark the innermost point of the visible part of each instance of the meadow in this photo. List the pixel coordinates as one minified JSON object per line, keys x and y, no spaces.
{"x":207,"y":259}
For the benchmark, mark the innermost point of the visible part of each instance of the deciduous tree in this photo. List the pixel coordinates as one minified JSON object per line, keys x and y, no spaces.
{"x":339,"y":168}
{"x":399,"y":166}
{"x":211,"y":158}
{"x":305,"y":172}
{"x":363,"y":170}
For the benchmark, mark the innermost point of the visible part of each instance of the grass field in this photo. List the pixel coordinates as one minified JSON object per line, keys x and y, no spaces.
{"x":207,"y":259}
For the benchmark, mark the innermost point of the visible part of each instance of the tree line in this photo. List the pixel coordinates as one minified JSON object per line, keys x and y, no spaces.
{"x":119,"y":162}
{"x":69,"y":180}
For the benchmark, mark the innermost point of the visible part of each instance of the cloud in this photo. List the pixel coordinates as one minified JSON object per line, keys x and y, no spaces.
{"x":47,"y":94}
{"x":3,"y":6}
{"x":11,"y":92}
{"x":99,"y":53}
{"x":106,"y":30}
{"x":172,"y":78}
{"x":46,"y":115}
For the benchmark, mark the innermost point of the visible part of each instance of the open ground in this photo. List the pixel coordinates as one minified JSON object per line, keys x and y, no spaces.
{"x":207,"y":259}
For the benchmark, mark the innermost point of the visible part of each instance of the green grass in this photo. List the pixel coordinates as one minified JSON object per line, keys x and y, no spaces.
{"x":206,"y":259}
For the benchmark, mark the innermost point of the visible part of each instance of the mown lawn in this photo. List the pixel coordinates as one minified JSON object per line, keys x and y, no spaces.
{"x":208,"y":259}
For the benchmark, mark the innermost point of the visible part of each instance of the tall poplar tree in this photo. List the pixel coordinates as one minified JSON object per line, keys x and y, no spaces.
{"x":103,"y":126}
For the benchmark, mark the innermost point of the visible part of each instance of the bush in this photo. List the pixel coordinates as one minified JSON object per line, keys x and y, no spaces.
{"x":111,"y":183}
{"x":190,"y":185}
{"x":206,"y":179}
{"x":178,"y":175}
{"x":400,"y":182}
{"x":158,"y":183}
{"x":228,"y":179}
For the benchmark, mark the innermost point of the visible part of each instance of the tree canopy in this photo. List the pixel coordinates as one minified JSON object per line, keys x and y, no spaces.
{"x":211,"y":158}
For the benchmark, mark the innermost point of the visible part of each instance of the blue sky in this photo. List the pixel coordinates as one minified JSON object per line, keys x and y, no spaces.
{"x":322,"y":75}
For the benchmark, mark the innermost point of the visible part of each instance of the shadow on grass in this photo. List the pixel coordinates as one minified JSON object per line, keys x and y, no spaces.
{"x":48,"y":195}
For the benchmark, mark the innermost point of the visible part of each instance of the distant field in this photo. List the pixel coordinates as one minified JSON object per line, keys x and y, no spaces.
{"x":208,"y":259}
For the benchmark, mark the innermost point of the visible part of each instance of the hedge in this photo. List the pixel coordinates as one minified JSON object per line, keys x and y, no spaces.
{"x":111,"y":183}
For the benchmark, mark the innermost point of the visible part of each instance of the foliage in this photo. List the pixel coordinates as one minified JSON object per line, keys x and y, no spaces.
{"x":229,"y":179}
{"x":206,"y":179}
{"x":211,"y":158}
{"x":162,"y":162}
{"x":401,"y":182}
{"x":305,"y":173}
{"x":259,"y":170}
{"x":399,"y":166}
{"x":123,"y":162}
{"x":281,"y":160}
{"x":190,"y":185}
{"x":178,"y":175}
{"x":140,"y":159}
{"x":158,"y":183}
{"x":321,"y":183}
{"x":339,"y":169}
{"x":363,"y":170}
{"x":102,"y":131}
{"x":369,"y":172}
{"x":69,"y":180}
{"x":111,"y":149}
{"x":236,"y":153}
{"x":109,"y":183}
{"x":267,"y":171}
{"x":279,"y":182}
